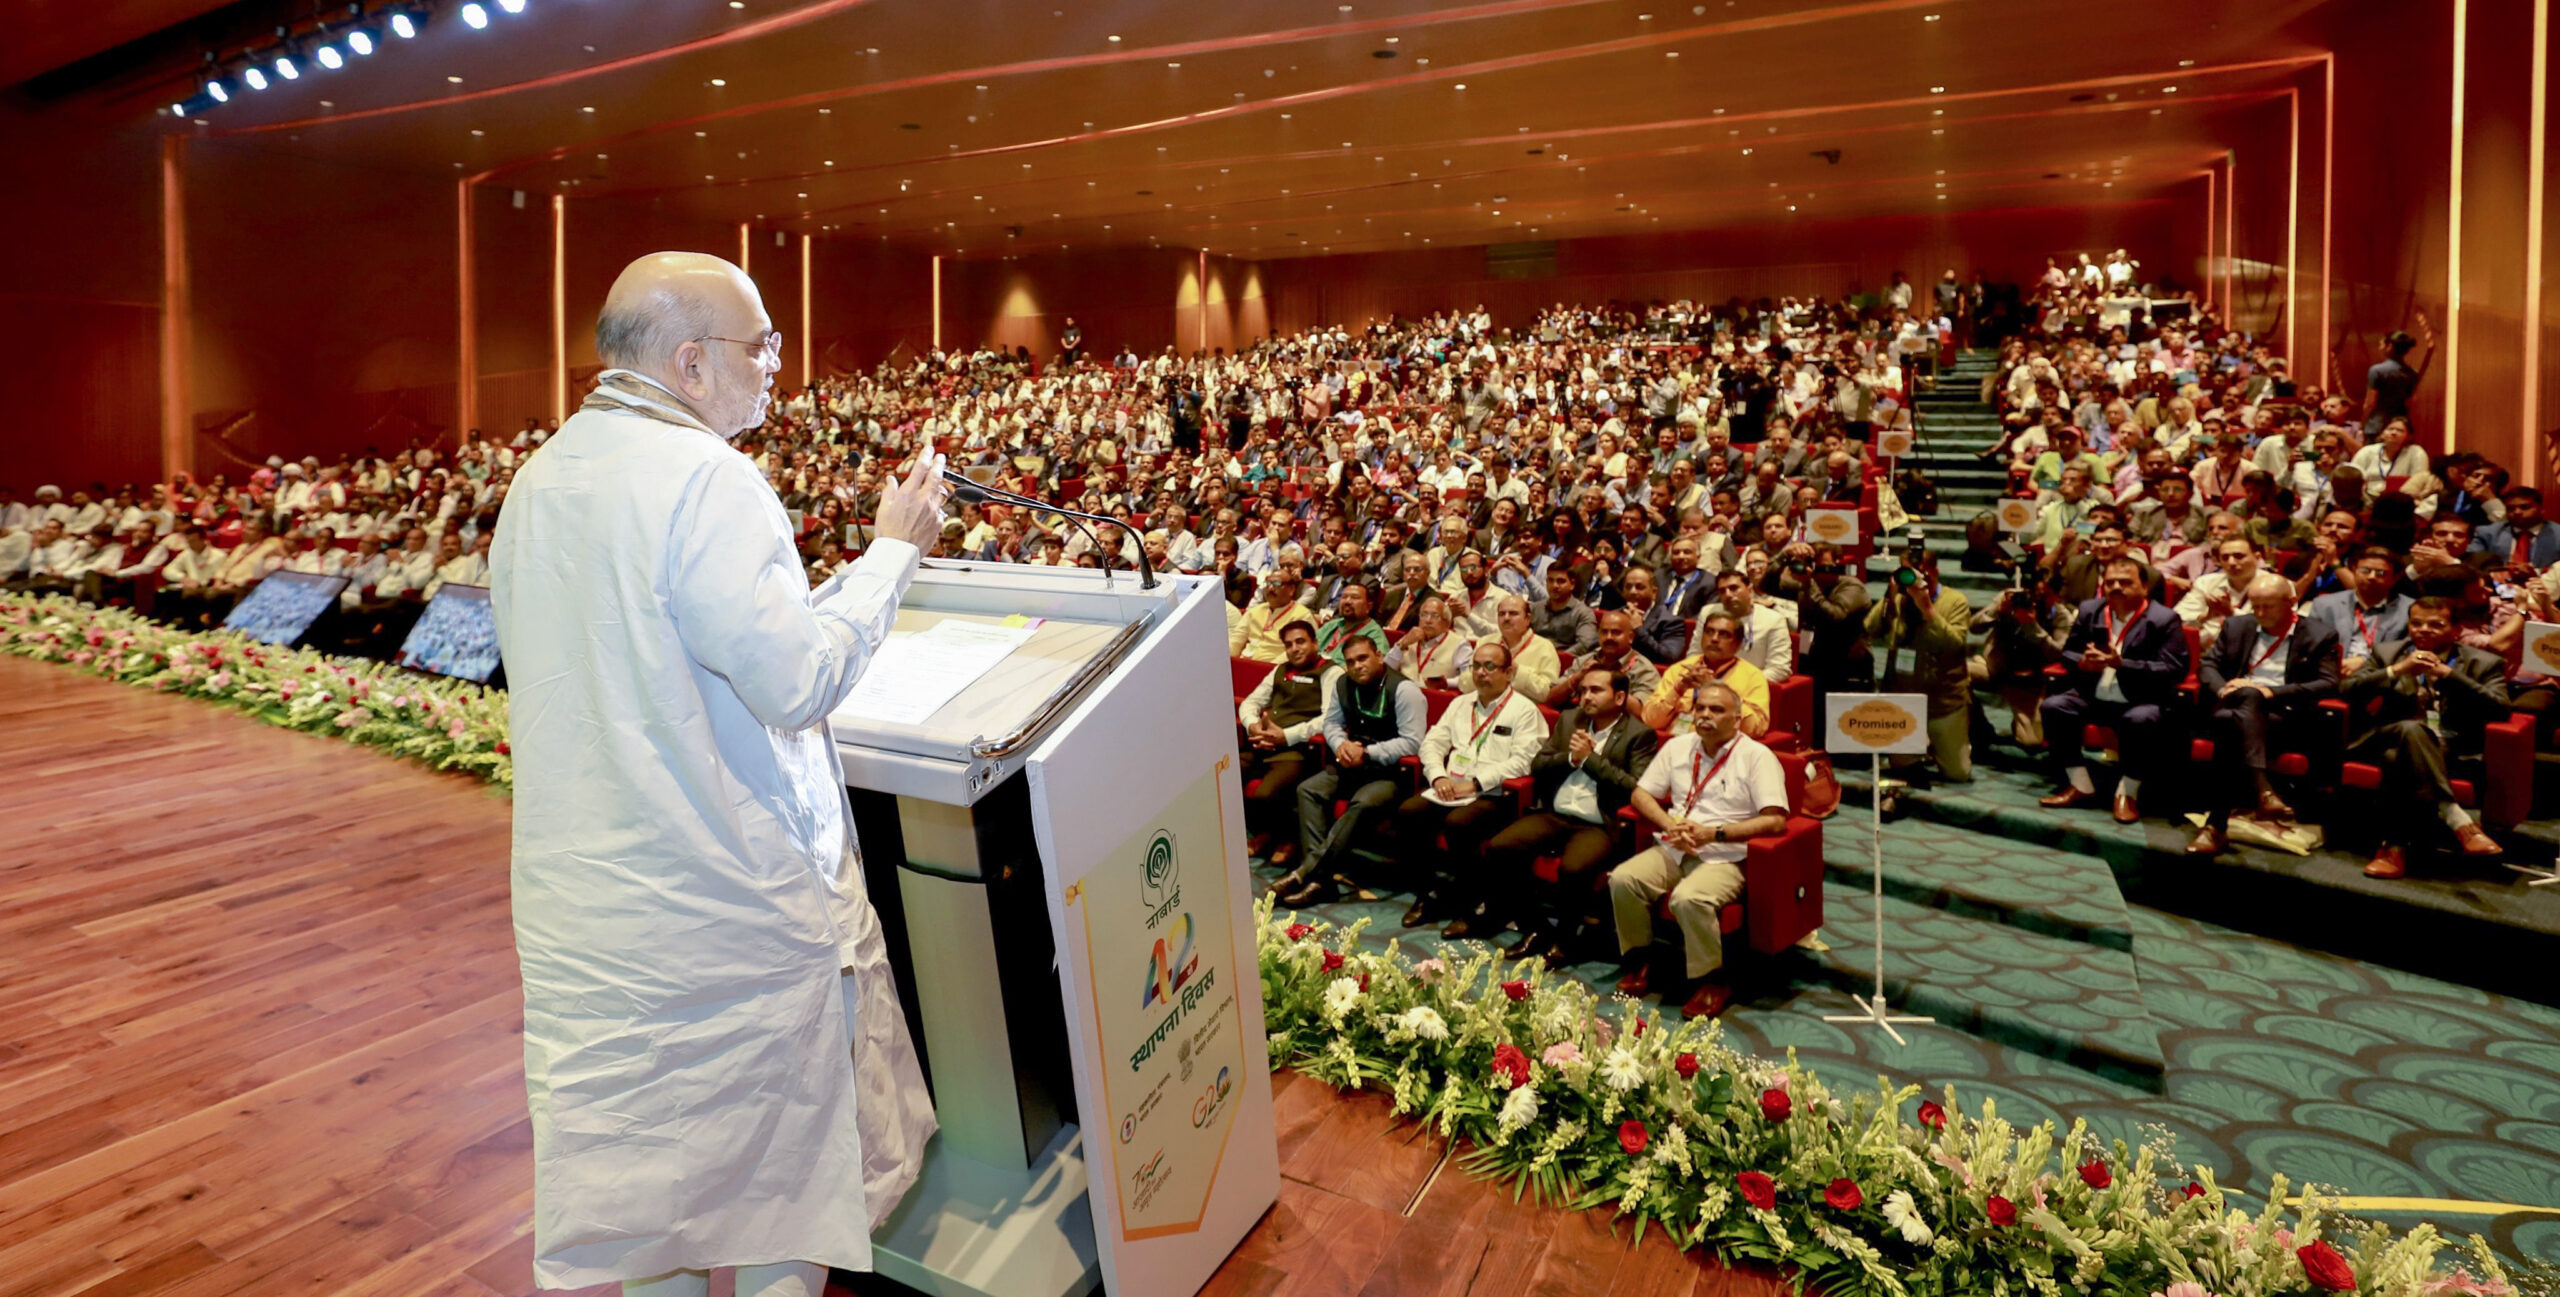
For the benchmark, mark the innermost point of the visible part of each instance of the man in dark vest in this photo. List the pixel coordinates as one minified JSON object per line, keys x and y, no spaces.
{"x":1373,"y":719}
{"x":1283,"y":719}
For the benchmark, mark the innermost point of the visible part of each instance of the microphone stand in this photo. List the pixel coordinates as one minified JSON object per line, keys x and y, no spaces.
{"x":970,"y":491}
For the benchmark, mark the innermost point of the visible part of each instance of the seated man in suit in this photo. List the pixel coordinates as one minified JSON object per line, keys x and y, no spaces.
{"x":1585,"y":773}
{"x":2126,"y":657}
{"x":1707,"y":793}
{"x":1478,"y":743}
{"x":2418,"y":708}
{"x":1373,"y":719}
{"x":1283,"y":721}
{"x":2269,"y":671}
{"x":2524,"y":535}
{"x":2369,"y":611}
{"x":1678,"y":593}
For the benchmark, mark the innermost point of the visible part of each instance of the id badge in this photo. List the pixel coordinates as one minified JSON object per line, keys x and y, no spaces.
{"x":1906,"y":661}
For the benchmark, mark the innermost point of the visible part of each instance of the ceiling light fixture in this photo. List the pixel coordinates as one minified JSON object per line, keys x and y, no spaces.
{"x":719,"y":81}
{"x":406,"y":23}
{"x":517,"y":6}
{"x":475,"y":15}
{"x":361,"y":42}
{"x":218,"y":90}
{"x":329,"y":57}
{"x":287,"y":68}
{"x":1113,"y":39}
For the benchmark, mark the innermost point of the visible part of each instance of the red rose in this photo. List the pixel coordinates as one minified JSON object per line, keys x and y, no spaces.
{"x":1364,"y":981}
{"x":2093,"y":1173}
{"x":2194,"y":1190}
{"x":1757,"y":1189}
{"x":2000,"y":1210}
{"x":1518,"y":991}
{"x":1686,"y":1065}
{"x":1638,"y":1034}
{"x":1299,"y":931}
{"x":1511,"y":1066}
{"x":503,"y":749}
{"x":1932,"y":1116}
{"x":1632,"y":1136}
{"x":2322,"y":1265}
{"x":1843,"y":1195}
{"x":1332,"y":960}
{"x":1775,"y":1105}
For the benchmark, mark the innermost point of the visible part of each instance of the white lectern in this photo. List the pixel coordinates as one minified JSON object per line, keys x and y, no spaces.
{"x":1057,"y":856}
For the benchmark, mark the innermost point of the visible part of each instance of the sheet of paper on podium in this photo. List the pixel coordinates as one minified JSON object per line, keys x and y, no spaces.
{"x":913,"y":675}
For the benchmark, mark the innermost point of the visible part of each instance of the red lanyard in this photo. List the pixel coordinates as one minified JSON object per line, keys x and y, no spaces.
{"x":1475,"y":741}
{"x":1698,"y":786}
{"x":1422,"y":659}
{"x":2115,"y":642}
{"x":2361,"y":628}
{"x":2279,"y":643}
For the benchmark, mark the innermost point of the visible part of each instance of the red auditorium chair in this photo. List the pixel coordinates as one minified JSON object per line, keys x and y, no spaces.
{"x":1791,"y":715}
{"x":1246,"y":675}
{"x":2504,"y":795}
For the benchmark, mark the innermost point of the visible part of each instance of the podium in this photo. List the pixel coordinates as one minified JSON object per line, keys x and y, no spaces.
{"x":1057,"y":856}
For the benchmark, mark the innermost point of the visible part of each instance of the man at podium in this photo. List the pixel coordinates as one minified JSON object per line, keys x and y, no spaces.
{"x":702,"y":969}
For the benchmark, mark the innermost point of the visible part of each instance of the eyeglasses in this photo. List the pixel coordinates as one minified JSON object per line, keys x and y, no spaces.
{"x":770,"y":344}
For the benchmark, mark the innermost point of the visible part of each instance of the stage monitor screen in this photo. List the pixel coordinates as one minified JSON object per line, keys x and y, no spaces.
{"x":456,"y":636}
{"x":281,"y":608}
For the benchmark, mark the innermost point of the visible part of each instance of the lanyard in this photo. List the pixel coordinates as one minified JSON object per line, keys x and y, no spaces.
{"x":2115,"y":641}
{"x":2361,"y":628}
{"x":1422,"y":659}
{"x":1698,"y":786}
{"x":1353,"y":688}
{"x":2279,"y":643}
{"x":1475,"y":740}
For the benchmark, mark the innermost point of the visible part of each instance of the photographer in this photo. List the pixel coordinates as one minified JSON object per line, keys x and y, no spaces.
{"x":2023,"y":630}
{"x":1921,"y":625}
{"x":1833,"y":607}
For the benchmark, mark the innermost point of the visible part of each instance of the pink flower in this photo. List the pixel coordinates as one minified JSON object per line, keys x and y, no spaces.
{"x":285,"y":690}
{"x":2463,"y":1285}
{"x":2184,"y":1288}
{"x":81,"y":658}
{"x":453,"y":731}
{"x":1561,"y":1053}
{"x":1956,"y":1164}
{"x":1429,"y":970}
{"x":220,"y":680}
{"x":1778,"y":1082}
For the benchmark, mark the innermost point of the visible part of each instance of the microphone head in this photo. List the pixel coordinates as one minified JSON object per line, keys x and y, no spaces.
{"x":966,"y":491}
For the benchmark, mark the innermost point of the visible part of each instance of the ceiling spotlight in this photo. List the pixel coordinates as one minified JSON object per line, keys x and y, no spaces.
{"x":256,"y":79}
{"x":219,"y":90}
{"x":719,"y":81}
{"x":514,"y":6}
{"x":287,"y":68}
{"x":475,"y":15}
{"x":360,"y":41}
{"x":405,"y":23}
{"x":329,"y":57}
{"x":177,"y":110}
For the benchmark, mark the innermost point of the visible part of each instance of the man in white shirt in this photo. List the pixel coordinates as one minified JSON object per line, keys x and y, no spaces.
{"x":185,"y":578}
{"x":457,"y":565}
{"x":1435,"y":654}
{"x":1466,"y":757}
{"x":1706,"y":794}
{"x":2217,"y":595}
{"x":1767,"y":641}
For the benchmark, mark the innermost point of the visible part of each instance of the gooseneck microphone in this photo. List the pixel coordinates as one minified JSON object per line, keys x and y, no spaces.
{"x":969,"y":490}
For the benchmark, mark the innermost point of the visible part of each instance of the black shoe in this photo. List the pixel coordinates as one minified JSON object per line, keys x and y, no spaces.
{"x":1538,"y":944}
{"x":1419,"y":914}
{"x":1457,"y":930}
{"x":1287,"y":883}
{"x":1312,"y":893}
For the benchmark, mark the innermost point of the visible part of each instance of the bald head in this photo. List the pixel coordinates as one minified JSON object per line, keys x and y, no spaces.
{"x":692,"y":322}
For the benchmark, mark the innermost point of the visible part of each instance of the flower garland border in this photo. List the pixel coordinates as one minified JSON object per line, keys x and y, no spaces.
{"x":1862,"y":1195}
{"x":445,"y":724}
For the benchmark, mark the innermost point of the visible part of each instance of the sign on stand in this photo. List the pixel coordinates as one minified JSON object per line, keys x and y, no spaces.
{"x":1877,"y":725}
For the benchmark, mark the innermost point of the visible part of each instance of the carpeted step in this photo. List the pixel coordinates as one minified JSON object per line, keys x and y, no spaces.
{"x":2070,"y":1001}
{"x":2059,"y":894}
{"x":2472,"y":921}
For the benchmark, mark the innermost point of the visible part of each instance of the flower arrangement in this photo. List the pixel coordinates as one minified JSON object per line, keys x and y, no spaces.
{"x":1852,"y":1194}
{"x":448,"y":724}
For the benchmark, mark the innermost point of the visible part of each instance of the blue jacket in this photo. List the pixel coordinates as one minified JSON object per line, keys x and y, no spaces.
{"x":2340,"y":610}
{"x":2498,"y":539}
{"x":2154,"y":649}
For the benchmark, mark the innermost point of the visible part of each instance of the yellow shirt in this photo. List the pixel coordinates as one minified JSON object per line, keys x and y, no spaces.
{"x":1257,"y":635}
{"x":1669,"y":707}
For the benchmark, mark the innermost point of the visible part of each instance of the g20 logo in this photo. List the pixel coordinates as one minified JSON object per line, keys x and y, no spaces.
{"x":1212,"y":1101}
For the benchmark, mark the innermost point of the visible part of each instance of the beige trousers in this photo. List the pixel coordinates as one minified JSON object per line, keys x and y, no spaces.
{"x":1697,"y":894}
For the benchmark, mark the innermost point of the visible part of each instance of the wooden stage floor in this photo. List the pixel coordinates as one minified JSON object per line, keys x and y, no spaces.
{"x":261,"y":1032}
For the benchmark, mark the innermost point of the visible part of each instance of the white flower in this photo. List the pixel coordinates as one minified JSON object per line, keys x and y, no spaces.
{"x":1621,"y":1070}
{"x":1519,"y":1109}
{"x":1423,"y":1021}
{"x":1903,"y":1214}
{"x":1339,"y":997}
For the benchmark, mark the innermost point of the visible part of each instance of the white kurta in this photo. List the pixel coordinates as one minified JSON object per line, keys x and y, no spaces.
{"x":686,"y":885}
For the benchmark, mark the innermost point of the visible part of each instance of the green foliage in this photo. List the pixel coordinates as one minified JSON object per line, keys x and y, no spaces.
{"x":1579,"y":1107}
